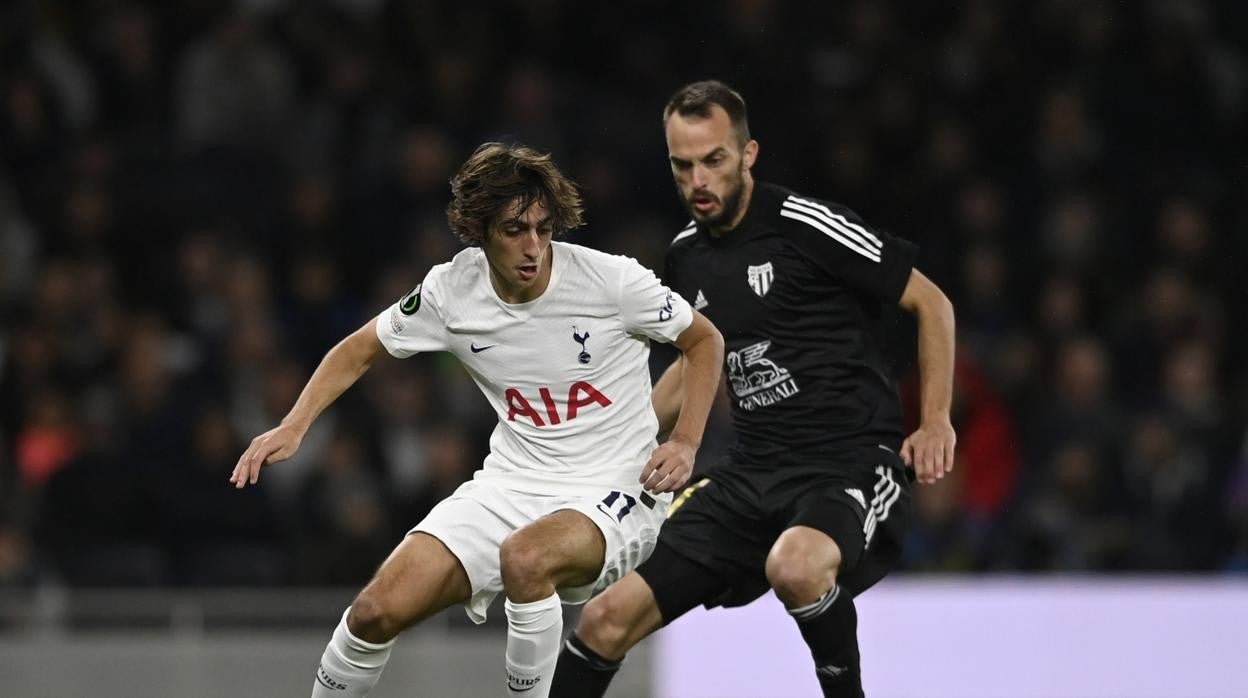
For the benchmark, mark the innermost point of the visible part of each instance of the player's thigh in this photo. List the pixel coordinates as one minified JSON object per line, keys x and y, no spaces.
{"x":712,"y":549}
{"x":674,"y":584}
{"x":861,"y":511}
{"x":564,"y":547}
{"x":887,"y":527}
{"x":419,"y":578}
{"x":826,"y":529}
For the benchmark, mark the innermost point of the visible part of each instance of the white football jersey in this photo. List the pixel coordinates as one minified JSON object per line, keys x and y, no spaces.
{"x":567,"y":373}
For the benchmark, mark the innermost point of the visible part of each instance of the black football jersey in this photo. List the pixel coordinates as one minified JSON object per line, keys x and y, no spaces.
{"x":798,"y":290}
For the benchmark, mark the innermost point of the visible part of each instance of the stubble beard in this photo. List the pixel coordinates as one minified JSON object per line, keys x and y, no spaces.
{"x":731,"y":205}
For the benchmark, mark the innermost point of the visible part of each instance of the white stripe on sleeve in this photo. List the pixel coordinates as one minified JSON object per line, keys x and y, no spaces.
{"x":834,"y":233}
{"x":836,"y":216}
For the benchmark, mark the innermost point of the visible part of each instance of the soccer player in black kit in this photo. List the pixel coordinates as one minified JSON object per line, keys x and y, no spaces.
{"x":815,"y":499}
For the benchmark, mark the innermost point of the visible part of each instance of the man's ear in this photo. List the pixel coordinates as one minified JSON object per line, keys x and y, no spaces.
{"x":750,"y":154}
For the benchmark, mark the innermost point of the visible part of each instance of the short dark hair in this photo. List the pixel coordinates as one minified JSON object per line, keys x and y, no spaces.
{"x":496,"y":175}
{"x":697,"y":98}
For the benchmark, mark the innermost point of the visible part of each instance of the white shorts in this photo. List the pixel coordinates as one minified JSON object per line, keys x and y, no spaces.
{"x":475,"y":519}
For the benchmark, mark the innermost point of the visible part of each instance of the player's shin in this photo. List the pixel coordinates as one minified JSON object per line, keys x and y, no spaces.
{"x":350,"y":666}
{"x":830,"y":628}
{"x":533,"y":634}
{"x":582,"y":672}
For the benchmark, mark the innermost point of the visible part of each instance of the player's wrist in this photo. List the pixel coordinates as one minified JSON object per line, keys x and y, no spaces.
{"x":300,"y":426}
{"x":935,"y":417}
{"x":685,"y":439}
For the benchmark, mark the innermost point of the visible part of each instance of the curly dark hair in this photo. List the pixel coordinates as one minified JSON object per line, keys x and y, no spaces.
{"x":498,"y":174}
{"x":697,"y":98}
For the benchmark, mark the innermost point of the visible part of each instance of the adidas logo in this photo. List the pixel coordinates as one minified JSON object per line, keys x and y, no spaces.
{"x":831,"y":670}
{"x":700,"y":302}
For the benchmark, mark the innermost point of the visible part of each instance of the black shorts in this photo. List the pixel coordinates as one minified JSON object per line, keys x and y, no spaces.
{"x":713,"y":548}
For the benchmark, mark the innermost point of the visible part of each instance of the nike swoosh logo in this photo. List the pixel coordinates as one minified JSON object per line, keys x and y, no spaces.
{"x":477,"y":350}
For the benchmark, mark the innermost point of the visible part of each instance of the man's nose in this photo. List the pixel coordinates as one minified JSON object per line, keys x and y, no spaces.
{"x":532,"y":246}
{"x":699,"y":177}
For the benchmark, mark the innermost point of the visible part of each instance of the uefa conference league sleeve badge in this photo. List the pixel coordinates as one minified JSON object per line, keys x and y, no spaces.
{"x":411,"y":302}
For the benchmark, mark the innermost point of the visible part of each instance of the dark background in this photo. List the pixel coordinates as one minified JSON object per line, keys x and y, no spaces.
{"x":198,"y":199}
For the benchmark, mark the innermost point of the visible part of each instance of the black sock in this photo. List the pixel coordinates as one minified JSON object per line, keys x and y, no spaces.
{"x":830,"y":628}
{"x":581,"y":672}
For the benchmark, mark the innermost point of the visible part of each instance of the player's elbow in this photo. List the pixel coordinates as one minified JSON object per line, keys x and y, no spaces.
{"x":701,"y":337}
{"x":709,"y":346}
{"x":940,"y":307}
{"x":360,"y":348}
{"x":717,"y":344}
{"x":714,"y":337}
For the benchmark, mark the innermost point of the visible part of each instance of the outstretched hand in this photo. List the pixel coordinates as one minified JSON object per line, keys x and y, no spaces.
{"x":669,"y":467}
{"x":929,"y":450}
{"x":272,"y":446}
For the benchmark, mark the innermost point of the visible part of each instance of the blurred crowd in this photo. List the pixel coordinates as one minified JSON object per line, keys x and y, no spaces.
{"x":198,"y":199}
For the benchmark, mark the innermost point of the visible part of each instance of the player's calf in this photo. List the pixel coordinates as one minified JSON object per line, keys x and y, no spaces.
{"x":582,"y":672}
{"x":830,"y":628}
{"x":801,"y":568}
{"x":611,"y":624}
{"x":533,"y":633}
{"x":593,"y":654}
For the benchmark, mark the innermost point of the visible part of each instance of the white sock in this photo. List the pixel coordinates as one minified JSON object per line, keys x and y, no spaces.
{"x":534,"y":633}
{"x":350,"y":666}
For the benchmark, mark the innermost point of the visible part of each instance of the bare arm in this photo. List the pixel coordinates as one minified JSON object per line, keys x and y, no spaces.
{"x":666,"y":396}
{"x":339,"y":370}
{"x":683,"y":397}
{"x":930,"y":448}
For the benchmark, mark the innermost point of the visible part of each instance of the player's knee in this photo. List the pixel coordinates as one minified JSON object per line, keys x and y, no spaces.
{"x":605,"y":627}
{"x":372,"y":619}
{"x":522,"y":563}
{"x":800,"y":579}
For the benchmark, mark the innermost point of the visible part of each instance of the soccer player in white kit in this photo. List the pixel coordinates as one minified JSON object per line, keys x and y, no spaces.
{"x":575,"y":487}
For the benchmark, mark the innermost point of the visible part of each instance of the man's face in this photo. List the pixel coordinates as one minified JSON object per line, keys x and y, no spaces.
{"x":710,"y":167}
{"x":518,"y":249}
